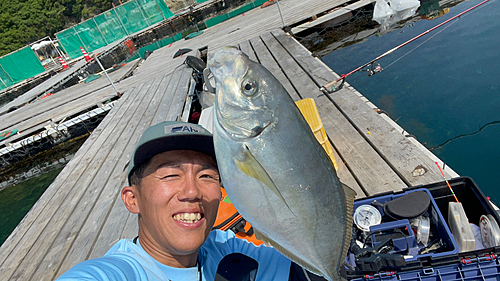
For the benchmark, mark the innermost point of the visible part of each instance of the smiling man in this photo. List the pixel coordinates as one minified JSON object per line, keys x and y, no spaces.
{"x":174,"y":187}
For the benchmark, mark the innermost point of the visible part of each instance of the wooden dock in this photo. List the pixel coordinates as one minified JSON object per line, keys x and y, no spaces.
{"x":65,"y":103}
{"x":81,"y":215}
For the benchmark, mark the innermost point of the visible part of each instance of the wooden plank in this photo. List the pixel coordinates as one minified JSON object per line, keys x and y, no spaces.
{"x":268,"y":62}
{"x":246,"y":48}
{"x":110,"y":232}
{"x":113,"y":227}
{"x":331,"y":16}
{"x":62,"y":98}
{"x":162,"y":109}
{"x":384,"y":175}
{"x":108,"y":178}
{"x":403,"y":155}
{"x":131,"y":228}
{"x":173,"y":111}
{"x":299,"y":79}
{"x":29,"y":247}
{"x":345,"y":175}
{"x":60,"y":231}
{"x":179,"y":89}
{"x":55,"y":115}
{"x":25,"y":229}
{"x":369,"y":170}
{"x":239,"y":29}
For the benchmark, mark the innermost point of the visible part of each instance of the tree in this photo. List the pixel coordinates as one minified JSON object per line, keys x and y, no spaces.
{"x":25,"y":21}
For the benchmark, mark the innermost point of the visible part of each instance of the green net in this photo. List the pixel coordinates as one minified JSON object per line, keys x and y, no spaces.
{"x":5,"y":80}
{"x":20,"y":65}
{"x":241,"y":10}
{"x":132,"y":17}
{"x":158,"y":44}
{"x":164,"y":9}
{"x":112,"y":26}
{"x":151,"y":11}
{"x":90,"y":35}
{"x":70,"y":42}
{"x":216,"y":20}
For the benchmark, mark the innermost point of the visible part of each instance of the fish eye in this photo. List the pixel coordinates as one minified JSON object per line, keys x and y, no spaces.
{"x":249,"y":87}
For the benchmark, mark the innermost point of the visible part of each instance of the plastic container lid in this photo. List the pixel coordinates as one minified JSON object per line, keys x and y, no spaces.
{"x":366,"y":216}
{"x":460,"y":227}
{"x":490,"y":232}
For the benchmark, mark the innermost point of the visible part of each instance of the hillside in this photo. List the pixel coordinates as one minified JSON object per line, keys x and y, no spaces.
{"x":25,"y":21}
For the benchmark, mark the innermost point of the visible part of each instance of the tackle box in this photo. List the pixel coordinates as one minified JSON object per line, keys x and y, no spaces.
{"x":447,"y":263}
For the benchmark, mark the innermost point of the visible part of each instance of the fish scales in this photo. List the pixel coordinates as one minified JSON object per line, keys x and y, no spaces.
{"x":277,"y":175}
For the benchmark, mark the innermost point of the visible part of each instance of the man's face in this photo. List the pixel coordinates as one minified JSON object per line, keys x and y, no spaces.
{"x":178,"y":201}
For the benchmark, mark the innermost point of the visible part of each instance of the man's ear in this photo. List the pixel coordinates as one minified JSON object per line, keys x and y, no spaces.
{"x":130,"y":199}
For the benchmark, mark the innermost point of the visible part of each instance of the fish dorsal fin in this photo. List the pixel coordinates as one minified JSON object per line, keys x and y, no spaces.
{"x":247,"y":163}
{"x":263,"y":237}
{"x":349,"y":195}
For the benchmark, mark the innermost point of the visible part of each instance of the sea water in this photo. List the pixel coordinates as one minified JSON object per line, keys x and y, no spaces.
{"x":444,"y":86}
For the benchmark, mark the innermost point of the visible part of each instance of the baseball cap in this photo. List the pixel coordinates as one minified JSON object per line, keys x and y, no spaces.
{"x":171,"y":135}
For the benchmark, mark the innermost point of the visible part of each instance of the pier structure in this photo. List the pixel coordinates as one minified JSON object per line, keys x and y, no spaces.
{"x":81,"y":215}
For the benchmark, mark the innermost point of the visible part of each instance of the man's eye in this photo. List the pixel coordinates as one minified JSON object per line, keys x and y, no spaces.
{"x":209,"y":176}
{"x":169,"y":176}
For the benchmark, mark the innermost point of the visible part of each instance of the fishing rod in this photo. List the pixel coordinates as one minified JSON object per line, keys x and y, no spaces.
{"x":449,"y":186}
{"x":330,"y":87}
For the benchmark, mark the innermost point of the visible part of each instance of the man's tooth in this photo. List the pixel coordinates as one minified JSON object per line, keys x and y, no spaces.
{"x":188,"y":217}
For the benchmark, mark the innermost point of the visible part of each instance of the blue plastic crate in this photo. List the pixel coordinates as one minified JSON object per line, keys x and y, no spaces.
{"x":441,"y":225}
{"x":485,"y":268}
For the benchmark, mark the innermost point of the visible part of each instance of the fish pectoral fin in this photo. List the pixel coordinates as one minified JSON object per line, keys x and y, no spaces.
{"x":247,"y":163}
{"x":263,"y":237}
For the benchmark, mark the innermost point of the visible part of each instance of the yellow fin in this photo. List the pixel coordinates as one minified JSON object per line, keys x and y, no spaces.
{"x":261,"y":236}
{"x":247,"y":163}
{"x":349,"y":195}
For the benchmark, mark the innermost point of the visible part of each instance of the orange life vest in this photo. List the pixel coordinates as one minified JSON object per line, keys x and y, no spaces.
{"x":228,"y":218}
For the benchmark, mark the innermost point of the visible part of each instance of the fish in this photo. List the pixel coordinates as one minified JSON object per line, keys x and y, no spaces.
{"x":277,"y":175}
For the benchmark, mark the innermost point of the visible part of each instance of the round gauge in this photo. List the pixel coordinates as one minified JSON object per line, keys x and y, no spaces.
{"x":490,"y":232}
{"x":366,"y":216}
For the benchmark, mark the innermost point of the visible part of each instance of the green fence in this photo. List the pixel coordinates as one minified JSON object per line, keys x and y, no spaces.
{"x":18,"y":66}
{"x":112,"y":25}
{"x":233,"y":13}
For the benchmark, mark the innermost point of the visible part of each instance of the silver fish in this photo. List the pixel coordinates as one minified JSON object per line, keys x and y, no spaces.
{"x":274,"y":170}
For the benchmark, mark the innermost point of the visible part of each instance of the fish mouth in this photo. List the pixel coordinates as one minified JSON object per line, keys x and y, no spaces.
{"x":243,"y":124}
{"x":241,"y":132}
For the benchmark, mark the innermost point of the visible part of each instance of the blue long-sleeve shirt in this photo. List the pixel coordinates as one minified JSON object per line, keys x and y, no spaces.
{"x":128,"y":261}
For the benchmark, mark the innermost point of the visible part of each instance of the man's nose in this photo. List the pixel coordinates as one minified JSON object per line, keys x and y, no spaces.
{"x":190,"y":190}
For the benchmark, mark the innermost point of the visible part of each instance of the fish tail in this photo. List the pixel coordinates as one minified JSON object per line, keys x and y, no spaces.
{"x":349,"y":195}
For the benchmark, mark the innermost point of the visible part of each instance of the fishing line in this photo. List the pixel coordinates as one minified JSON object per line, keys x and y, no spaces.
{"x":434,"y":35}
{"x":449,"y":186}
{"x":332,"y":86}
{"x":419,"y":45}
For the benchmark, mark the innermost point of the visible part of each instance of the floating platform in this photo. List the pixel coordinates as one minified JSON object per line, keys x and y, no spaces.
{"x":37,"y":121}
{"x":81,"y":215}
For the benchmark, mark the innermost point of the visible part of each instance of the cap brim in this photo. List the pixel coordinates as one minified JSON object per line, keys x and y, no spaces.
{"x":199,"y":143}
